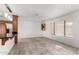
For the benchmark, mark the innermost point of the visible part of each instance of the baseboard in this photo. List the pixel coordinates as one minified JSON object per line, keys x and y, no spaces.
{"x":30,"y":37}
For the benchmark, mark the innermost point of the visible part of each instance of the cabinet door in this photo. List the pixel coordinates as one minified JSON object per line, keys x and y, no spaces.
{"x":2,"y":29}
{"x":15,"y":27}
{"x":15,"y":23}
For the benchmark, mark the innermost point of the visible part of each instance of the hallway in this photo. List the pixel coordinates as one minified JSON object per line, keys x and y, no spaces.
{"x":42,"y":46}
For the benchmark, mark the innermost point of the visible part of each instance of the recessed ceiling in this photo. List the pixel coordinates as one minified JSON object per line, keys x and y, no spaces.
{"x":42,"y":11}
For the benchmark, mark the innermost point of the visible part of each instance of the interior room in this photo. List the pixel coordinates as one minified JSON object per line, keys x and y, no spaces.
{"x":39,"y":29}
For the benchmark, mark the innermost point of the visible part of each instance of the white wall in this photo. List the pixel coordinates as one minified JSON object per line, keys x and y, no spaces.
{"x":75,"y":17}
{"x":74,"y":40}
{"x":28,"y":28}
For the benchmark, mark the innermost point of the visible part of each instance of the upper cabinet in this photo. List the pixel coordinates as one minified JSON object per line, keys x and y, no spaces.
{"x":2,"y":29}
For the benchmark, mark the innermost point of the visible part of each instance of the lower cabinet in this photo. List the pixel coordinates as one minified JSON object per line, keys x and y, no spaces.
{"x":5,"y":49}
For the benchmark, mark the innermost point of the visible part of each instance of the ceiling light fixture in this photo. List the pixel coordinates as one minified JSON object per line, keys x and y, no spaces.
{"x":5,"y":14}
{"x":9,"y":9}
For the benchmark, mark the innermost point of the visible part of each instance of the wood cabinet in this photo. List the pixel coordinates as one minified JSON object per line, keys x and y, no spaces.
{"x":2,"y":29}
{"x":15,"y":27}
{"x":15,"y":23}
{"x":3,"y":32}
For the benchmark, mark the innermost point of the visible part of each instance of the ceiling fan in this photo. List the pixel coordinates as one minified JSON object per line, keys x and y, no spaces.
{"x":8,"y":8}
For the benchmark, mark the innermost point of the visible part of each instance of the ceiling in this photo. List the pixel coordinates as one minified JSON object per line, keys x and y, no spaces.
{"x":41,"y":11}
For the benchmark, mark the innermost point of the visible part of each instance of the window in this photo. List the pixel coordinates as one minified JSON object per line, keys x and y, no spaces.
{"x":62,"y":28}
{"x":59,"y":28}
{"x":5,"y":15}
{"x":68,"y":28}
{"x":52,"y":28}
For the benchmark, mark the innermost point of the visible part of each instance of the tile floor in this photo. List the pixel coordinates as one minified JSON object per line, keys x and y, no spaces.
{"x":42,"y":46}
